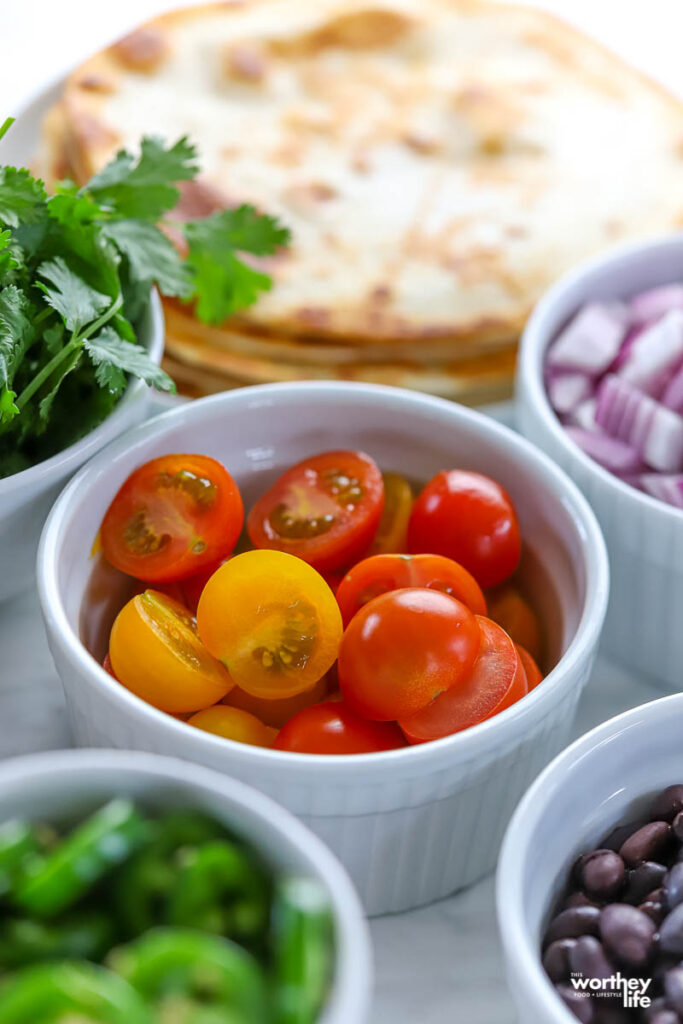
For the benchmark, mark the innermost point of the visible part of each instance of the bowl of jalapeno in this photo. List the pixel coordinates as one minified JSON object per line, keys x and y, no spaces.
{"x":377,"y":607}
{"x":138,"y":889}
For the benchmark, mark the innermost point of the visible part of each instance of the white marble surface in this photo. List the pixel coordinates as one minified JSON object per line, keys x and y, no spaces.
{"x":434,"y":965}
{"x":441,"y":963}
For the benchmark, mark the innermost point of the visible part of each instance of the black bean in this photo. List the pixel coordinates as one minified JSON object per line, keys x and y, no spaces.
{"x":611,"y":1014}
{"x":655,"y":911}
{"x":646,"y":843}
{"x":642,"y":880}
{"x":673,"y":988}
{"x":572,"y":923}
{"x":673,"y":886}
{"x":615,"y":839}
{"x":664,"y":1017}
{"x":579,"y":899}
{"x":587,"y":958}
{"x":656,"y":1006}
{"x":678,"y":826}
{"x":667,"y":804}
{"x":627,"y":934}
{"x":556,"y":959}
{"x":580,"y":1005}
{"x":671,"y":932}
{"x":602,"y":873}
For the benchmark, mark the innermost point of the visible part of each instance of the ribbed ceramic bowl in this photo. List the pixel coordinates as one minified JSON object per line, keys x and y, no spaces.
{"x":59,"y":787}
{"x":410,"y":825}
{"x":644,"y":536}
{"x":27,"y":497}
{"x":604,"y":779}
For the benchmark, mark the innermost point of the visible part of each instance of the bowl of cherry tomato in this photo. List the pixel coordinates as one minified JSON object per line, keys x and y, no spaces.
{"x":136,"y":888}
{"x":378,"y":607}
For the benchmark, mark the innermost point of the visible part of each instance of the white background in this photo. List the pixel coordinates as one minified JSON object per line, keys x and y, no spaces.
{"x":440,"y":964}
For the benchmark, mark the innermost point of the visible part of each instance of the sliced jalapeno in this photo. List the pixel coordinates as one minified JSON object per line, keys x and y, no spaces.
{"x":57,"y":881}
{"x":84,"y":936}
{"x":188,"y":971}
{"x":49,"y":993}
{"x":303,"y":944}
{"x":221,"y":889}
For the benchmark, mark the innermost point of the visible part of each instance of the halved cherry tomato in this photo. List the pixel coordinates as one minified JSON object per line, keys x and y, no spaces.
{"x":173,"y":590}
{"x":106,"y":665}
{"x":155,"y":652}
{"x":325,"y":509}
{"x":534,"y":676}
{"x":404,"y":648}
{"x":277,"y":712}
{"x":496,"y":681}
{"x":234,"y":724}
{"x":510,"y":610}
{"x":273,"y":622}
{"x":192,"y":587}
{"x":172,"y":517}
{"x":392,"y":532}
{"x":333,"y":728}
{"x":380,"y":573}
{"x":470,"y":518}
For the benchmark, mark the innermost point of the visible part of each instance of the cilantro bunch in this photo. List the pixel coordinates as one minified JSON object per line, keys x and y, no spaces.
{"x":76,"y":271}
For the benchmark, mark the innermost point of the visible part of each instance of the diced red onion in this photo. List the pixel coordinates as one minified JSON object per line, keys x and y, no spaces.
{"x":584,"y":416}
{"x":656,"y":302}
{"x":567,"y":390}
{"x":666,"y":488}
{"x":654,"y":431}
{"x":617,"y":456}
{"x":655,"y":354}
{"x":591,"y":340}
{"x":673,"y":392}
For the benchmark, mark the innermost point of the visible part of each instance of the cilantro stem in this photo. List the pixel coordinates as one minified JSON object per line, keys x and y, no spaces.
{"x":6,"y":125}
{"x":74,"y":343}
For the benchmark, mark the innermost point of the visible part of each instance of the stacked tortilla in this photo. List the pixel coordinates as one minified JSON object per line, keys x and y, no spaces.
{"x":439,"y":163}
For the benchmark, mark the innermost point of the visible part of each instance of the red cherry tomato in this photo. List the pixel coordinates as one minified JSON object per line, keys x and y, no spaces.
{"x":471,"y":519}
{"x":496,"y":681}
{"x":381,"y":573}
{"x":326,"y":510}
{"x":333,"y":728}
{"x":534,"y":676}
{"x":106,"y":665}
{"x":404,"y":648}
{"x":510,"y":610}
{"x":192,"y":587}
{"x":173,"y":517}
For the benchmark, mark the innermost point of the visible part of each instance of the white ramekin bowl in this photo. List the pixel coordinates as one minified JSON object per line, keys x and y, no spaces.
{"x":602,"y":780}
{"x":410,"y":825}
{"x":59,"y":786}
{"x":27,"y":497}
{"x":644,"y":536}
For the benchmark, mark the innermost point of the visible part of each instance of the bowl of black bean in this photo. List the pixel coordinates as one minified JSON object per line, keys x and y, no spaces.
{"x":590,"y":878}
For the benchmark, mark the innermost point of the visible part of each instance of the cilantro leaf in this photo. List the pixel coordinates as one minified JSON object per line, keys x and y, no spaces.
{"x":52,"y":386}
{"x":223,"y":283}
{"x":113,"y":358}
{"x":75,"y":301}
{"x":16,"y":331}
{"x":22,"y":196}
{"x":8,"y":254}
{"x":144,"y":188}
{"x":153,"y":258}
{"x":8,"y":410}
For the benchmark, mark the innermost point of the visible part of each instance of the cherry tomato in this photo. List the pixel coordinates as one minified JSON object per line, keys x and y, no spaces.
{"x":534,"y":676}
{"x":392,"y":532}
{"x":471,"y":519}
{"x":404,"y":648}
{"x":496,"y":681}
{"x":234,"y":724}
{"x":173,"y":590}
{"x":273,"y":622}
{"x":106,"y":665}
{"x":155,"y":652}
{"x":333,"y":728}
{"x":277,"y":712}
{"x":510,"y":610}
{"x":172,"y":517}
{"x":192,"y":587}
{"x":326,"y":510}
{"x":380,"y":573}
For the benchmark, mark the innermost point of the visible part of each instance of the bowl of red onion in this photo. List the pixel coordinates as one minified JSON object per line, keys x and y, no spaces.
{"x":600,"y":389}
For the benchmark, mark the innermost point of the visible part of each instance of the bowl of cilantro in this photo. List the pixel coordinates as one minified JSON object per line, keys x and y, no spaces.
{"x":81,"y":324}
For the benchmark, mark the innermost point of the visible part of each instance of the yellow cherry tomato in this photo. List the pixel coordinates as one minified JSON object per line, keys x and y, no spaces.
{"x":392,"y":531}
{"x":272,"y":620}
{"x":276,"y":712}
{"x":234,"y":724}
{"x":156,"y":653}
